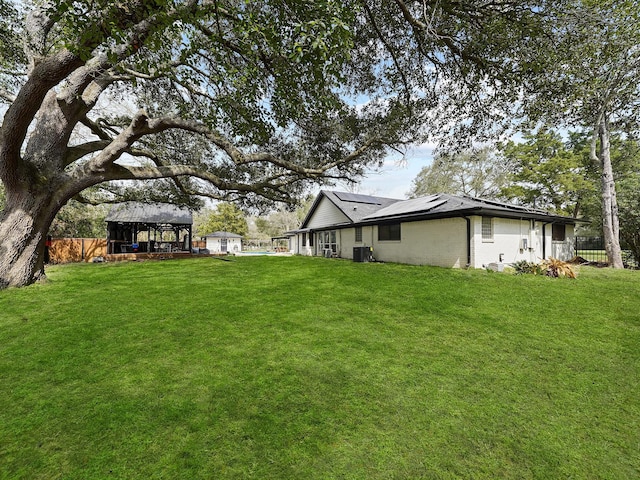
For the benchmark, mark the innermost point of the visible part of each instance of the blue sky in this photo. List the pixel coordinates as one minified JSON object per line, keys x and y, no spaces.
{"x":394,"y":179}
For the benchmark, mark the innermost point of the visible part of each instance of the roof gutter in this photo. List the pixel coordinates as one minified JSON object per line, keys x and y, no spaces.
{"x":482,"y":211}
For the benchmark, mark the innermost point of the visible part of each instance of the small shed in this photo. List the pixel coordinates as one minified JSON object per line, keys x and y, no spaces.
{"x":223,"y":242}
{"x":148,"y":228}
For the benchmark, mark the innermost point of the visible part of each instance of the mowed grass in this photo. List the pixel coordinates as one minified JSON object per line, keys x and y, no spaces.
{"x":593,"y":255}
{"x":309,"y":368}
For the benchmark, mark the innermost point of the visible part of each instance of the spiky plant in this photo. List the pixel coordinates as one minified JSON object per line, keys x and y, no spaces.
{"x":557,"y":268}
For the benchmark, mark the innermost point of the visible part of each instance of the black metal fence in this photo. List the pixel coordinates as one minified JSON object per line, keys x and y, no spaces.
{"x":592,"y":250}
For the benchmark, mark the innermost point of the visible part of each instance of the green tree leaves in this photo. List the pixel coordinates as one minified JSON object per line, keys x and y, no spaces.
{"x":629,"y":205}
{"x":226,"y":217}
{"x":475,"y":172}
{"x":76,"y":220}
{"x":546,"y":174}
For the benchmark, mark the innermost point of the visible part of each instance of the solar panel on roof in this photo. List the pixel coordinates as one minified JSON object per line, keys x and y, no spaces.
{"x":357,"y":198}
{"x":415,"y":205}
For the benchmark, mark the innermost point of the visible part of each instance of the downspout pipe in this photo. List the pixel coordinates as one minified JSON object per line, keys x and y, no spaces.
{"x":468,"y":241}
{"x":544,"y":240}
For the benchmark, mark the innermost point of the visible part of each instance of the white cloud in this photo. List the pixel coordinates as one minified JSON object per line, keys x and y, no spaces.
{"x":394,"y":178}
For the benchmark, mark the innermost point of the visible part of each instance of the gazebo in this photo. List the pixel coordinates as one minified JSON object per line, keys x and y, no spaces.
{"x":134,"y":227}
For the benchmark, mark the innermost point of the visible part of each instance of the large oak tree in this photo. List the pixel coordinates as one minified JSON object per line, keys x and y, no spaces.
{"x":589,"y":77}
{"x":238,"y":101}
{"x":477,"y":172}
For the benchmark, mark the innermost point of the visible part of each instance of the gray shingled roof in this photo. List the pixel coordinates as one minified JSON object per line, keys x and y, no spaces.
{"x":367,"y":209}
{"x":160,"y":213}
{"x":222,"y":235}
{"x":354,"y":205}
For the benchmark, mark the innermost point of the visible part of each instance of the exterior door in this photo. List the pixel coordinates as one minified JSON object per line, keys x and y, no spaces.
{"x":327,"y":244}
{"x":223,"y":245}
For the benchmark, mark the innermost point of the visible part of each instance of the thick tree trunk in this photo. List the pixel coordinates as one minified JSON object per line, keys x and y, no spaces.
{"x":610,"y":220}
{"x":24,"y":224}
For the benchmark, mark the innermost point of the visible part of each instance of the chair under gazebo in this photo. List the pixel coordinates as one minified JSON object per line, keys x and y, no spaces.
{"x":134,"y":227}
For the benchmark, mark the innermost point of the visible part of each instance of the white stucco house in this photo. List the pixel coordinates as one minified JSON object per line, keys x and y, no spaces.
{"x":442,"y":230}
{"x":223,"y":242}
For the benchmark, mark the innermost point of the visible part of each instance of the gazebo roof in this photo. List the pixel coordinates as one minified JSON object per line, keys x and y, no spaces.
{"x":158,"y":213}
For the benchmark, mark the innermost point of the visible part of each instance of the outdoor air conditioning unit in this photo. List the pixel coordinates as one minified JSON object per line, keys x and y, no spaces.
{"x":361,"y":254}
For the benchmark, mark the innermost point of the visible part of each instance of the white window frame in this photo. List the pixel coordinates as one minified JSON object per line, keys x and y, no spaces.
{"x":327,"y":240}
{"x":358,"y":234}
{"x":487,"y":229}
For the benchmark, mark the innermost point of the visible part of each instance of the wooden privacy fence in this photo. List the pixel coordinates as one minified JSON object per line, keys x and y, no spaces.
{"x":67,"y":250}
{"x":70,"y":250}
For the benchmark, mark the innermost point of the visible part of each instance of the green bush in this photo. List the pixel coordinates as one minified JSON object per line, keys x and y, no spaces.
{"x":551,"y":268}
{"x":524,"y":267}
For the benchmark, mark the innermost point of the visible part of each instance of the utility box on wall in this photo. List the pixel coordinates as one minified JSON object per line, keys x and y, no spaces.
{"x":361,"y":254}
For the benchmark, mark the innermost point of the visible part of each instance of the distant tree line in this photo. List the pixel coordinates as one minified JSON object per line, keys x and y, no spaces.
{"x":544,"y":170}
{"x":258,"y":103}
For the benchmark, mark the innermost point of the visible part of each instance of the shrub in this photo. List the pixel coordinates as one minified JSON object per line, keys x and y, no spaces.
{"x":557,"y":268}
{"x":551,"y":268}
{"x":524,"y":267}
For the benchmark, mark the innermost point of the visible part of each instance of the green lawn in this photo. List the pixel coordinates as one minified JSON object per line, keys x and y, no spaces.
{"x":308,"y":368}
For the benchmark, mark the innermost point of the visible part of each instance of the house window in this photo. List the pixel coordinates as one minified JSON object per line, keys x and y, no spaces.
{"x":358,"y":234}
{"x":327,"y":241}
{"x":558,"y":233}
{"x":310,"y":239}
{"x":304,"y":239}
{"x":389,"y":232}
{"x":487,"y":229}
